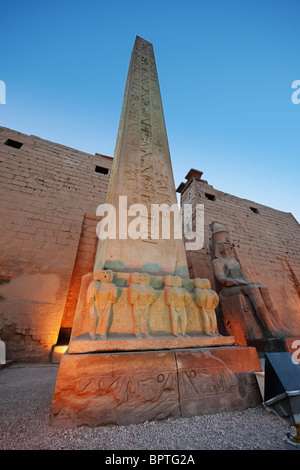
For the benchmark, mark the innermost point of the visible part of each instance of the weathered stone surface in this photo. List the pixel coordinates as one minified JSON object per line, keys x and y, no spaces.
{"x":84,"y":343}
{"x":234,"y":320}
{"x":84,"y":264}
{"x":142,"y":313}
{"x":46,"y":189}
{"x":216,"y":380}
{"x":266,"y":241}
{"x":121,"y":389}
{"x":257,"y":311}
{"x":57,"y":353}
{"x":139,"y":297}
{"x":142,"y":172}
{"x":206,"y":300}
{"x":133,"y":387}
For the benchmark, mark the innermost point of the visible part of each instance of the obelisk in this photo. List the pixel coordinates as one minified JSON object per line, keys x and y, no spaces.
{"x":139,"y":295}
{"x":144,"y":337}
{"x":141,"y":174}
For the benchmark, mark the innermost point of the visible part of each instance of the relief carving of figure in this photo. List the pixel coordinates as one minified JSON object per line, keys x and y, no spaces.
{"x":229,"y":273}
{"x":207,"y":300}
{"x":176,"y":297}
{"x":141,"y":296}
{"x":101,"y":295}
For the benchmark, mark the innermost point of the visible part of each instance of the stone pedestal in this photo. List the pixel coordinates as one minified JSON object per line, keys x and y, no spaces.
{"x":125,"y":388}
{"x":123,"y":375}
{"x":83,"y":343}
{"x":238,"y":320}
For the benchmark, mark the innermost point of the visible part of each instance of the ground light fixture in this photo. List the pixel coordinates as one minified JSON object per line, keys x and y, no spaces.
{"x":282,"y":392}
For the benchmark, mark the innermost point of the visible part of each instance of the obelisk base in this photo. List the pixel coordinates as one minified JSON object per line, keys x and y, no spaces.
{"x":123,"y":388}
{"x":84,"y":344}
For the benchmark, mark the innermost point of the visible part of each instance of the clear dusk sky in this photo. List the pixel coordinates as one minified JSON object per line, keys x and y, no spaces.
{"x":225,"y":68}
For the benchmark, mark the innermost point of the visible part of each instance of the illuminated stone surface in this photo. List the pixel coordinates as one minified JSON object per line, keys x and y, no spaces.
{"x":140,"y":287}
{"x":142,"y":172}
{"x":138,"y":306}
{"x":132,"y":387}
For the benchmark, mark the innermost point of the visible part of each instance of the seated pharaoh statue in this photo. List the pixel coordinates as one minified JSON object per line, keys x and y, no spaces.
{"x":230,"y":275}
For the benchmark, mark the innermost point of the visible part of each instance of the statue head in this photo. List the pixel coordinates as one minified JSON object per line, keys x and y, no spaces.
{"x":220,"y":240}
{"x":223,"y":249}
{"x":173,"y":281}
{"x":139,"y":278}
{"x":202,"y":283}
{"x":103,"y":275}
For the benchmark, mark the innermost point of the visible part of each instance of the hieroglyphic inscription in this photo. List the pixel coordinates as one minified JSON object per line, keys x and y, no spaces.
{"x":127,"y":388}
{"x":145,"y":133}
{"x":145,"y":184}
{"x":142,"y":172}
{"x":199,"y":382}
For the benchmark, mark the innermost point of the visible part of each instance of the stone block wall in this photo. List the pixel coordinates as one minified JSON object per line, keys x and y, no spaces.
{"x":48,"y":199}
{"x":84,"y":264}
{"x":266,"y":242}
{"x":45,"y":190}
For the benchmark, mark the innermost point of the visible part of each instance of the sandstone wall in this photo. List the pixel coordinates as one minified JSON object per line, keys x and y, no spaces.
{"x":266,"y":241}
{"x":48,"y":199}
{"x":46,"y":188}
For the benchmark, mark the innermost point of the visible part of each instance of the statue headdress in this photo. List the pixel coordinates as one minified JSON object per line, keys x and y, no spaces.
{"x":219,"y":234}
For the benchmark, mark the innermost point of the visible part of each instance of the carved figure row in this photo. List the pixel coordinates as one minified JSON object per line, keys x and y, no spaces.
{"x":102,"y":295}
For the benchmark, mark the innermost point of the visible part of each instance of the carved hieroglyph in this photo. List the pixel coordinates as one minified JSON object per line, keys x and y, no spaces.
{"x":132,"y":387}
{"x":142,"y":172}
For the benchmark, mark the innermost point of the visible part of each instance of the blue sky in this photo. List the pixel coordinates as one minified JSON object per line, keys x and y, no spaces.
{"x":225,"y":69}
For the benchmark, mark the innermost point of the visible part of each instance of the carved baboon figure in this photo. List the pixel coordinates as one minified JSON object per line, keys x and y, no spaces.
{"x":101,"y":295}
{"x":176,"y":297}
{"x":206,"y":300}
{"x":141,"y":296}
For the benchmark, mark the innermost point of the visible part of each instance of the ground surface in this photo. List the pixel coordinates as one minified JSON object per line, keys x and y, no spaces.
{"x":26,"y":392}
